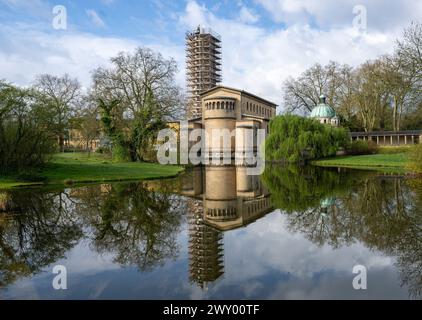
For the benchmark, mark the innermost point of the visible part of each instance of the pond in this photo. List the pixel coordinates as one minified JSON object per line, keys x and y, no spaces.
{"x":217,"y":233}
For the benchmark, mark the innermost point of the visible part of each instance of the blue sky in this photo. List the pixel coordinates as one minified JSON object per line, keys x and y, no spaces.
{"x":264,"y":41}
{"x":136,"y":19}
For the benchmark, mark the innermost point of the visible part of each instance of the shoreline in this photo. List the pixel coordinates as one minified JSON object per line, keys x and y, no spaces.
{"x":397,"y":162}
{"x":70,"y":169}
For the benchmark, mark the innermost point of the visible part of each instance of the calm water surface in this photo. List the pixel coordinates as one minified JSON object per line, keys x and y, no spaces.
{"x":216,"y":233}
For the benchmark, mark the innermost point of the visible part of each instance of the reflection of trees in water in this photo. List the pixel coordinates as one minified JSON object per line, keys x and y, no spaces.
{"x":384,"y":213}
{"x":295,"y":188}
{"x":36,"y":229}
{"x":137,"y":225}
{"x":134,"y":223}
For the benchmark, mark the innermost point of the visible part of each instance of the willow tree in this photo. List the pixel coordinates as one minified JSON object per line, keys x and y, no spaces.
{"x":298,"y":139}
{"x":143,"y":84}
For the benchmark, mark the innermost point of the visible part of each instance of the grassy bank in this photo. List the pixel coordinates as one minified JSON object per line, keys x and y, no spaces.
{"x":75,"y":168}
{"x":385,"y":161}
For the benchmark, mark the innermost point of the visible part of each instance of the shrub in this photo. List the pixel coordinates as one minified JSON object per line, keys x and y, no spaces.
{"x":415,"y":158}
{"x":298,"y":139}
{"x":393,"y":149}
{"x":69,"y":182}
{"x":360,"y":147}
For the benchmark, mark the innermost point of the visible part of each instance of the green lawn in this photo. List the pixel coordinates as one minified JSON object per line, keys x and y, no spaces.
{"x":396,"y":161}
{"x":83,"y":168}
{"x":6,"y":183}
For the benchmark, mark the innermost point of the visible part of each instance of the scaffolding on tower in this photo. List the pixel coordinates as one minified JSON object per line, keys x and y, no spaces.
{"x":203,"y":67}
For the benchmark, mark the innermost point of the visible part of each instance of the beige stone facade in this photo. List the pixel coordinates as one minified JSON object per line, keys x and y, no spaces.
{"x":235,"y":110}
{"x":230,"y":198}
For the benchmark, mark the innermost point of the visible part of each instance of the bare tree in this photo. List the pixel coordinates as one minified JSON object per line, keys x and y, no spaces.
{"x":409,"y":51}
{"x":62,"y":95}
{"x":399,"y":86}
{"x":134,"y":76}
{"x":370,"y":95}
{"x":143,"y":84}
{"x":302,"y":94}
{"x":407,"y":83}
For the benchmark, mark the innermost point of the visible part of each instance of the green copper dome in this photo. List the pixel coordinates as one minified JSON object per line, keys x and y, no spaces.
{"x":323,"y":110}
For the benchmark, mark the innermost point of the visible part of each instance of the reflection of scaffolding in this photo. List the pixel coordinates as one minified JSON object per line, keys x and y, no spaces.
{"x":205,"y":248}
{"x":203,"y":66}
{"x":221,"y":199}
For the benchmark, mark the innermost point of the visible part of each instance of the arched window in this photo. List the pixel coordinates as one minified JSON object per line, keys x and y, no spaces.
{"x":213,"y":105}
{"x":218,"y":105}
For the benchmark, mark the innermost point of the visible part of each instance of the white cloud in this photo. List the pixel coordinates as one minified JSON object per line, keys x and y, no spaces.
{"x":95,"y":18}
{"x":195,"y":15}
{"x":25,"y":52}
{"x":259,"y":60}
{"x":381,"y":14}
{"x":247,"y":16}
{"x":255,"y":58}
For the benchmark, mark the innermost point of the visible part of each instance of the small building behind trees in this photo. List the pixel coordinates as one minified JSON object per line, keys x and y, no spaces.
{"x":324,"y":113}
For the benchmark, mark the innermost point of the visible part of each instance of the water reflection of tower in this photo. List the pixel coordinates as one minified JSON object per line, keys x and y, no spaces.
{"x":205,"y":243}
{"x":205,"y":251}
{"x":221,"y":198}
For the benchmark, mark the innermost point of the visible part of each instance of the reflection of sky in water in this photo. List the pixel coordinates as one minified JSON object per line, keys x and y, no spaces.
{"x":262,"y":260}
